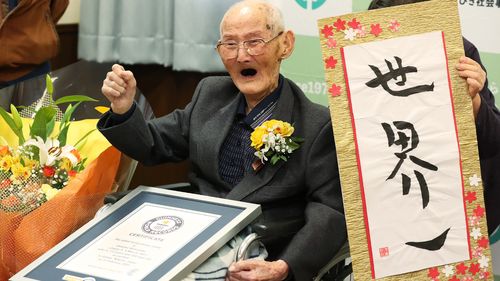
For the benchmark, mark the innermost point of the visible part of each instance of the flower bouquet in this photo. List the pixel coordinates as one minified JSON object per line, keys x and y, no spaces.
{"x":54,"y":173}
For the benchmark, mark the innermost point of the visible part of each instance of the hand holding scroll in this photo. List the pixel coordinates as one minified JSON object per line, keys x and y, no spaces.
{"x":475,"y":77}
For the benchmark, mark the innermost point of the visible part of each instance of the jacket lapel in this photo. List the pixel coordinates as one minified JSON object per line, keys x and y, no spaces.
{"x":214,"y":136}
{"x":256,"y":180}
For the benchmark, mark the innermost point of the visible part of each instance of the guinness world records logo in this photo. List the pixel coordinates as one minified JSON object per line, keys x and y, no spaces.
{"x":162,"y":225}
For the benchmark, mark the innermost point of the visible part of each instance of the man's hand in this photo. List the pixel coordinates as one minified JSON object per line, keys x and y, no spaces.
{"x":475,"y":77}
{"x":257,"y":270}
{"x":119,"y":88}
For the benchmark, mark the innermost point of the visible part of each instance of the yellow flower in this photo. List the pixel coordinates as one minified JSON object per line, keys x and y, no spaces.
{"x":20,"y":172}
{"x":286,"y":129}
{"x":66,"y":164}
{"x":257,"y":137}
{"x":270,"y":124}
{"x":279,"y":127}
{"x":49,"y":191}
{"x":6,"y":163}
{"x":16,"y":160}
{"x":30,"y":163}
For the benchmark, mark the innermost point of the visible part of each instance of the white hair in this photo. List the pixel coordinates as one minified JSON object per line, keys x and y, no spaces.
{"x":275,"y":22}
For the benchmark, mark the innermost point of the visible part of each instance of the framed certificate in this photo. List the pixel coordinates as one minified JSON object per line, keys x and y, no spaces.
{"x":150,"y":234}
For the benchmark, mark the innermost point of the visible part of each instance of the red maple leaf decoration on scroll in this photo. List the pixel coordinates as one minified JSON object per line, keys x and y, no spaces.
{"x":483,"y":242}
{"x":354,"y":24}
{"x":339,"y":24}
{"x":331,"y":62}
{"x":461,"y":268}
{"x":433,"y":272}
{"x":375,"y":29}
{"x":335,"y":90}
{"x":327,"y":30}
{"x":474,"y":268}
{"x":479,"y":211}
{"x":470,"y":197}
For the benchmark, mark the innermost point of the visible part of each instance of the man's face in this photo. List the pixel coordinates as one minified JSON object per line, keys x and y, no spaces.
{"x":255,"y":76}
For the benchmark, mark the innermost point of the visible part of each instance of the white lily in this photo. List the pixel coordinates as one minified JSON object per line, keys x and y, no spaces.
{"x":49,"y":151}
{"x":67,"y":152}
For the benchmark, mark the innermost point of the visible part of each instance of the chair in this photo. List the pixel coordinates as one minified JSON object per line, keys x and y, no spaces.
{"x":337,"y":269}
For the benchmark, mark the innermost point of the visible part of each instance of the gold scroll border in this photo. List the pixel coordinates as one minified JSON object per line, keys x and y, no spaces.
{"x":416,"y":18}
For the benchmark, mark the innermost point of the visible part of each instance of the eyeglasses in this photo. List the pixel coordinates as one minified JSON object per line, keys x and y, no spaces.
{"x":254,"y":47}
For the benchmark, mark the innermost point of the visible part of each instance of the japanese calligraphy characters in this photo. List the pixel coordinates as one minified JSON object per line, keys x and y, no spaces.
{"x":408,"y":143}
{"x":408,"y":153}
{"x":383,"y":79}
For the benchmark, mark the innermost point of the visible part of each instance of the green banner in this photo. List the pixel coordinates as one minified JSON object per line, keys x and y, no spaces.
{"x":305,"y":67}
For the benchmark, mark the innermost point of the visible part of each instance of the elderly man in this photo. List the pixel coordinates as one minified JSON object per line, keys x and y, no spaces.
{"x":299,"y":194}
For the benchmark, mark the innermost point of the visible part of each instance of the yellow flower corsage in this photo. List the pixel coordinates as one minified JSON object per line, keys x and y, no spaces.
{"x":273,"y":141}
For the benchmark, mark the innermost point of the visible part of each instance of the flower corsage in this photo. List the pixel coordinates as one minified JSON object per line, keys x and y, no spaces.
{"x":273,"y":141}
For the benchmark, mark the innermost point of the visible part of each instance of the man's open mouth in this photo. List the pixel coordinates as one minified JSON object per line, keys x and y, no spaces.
{"x":247,"y":72}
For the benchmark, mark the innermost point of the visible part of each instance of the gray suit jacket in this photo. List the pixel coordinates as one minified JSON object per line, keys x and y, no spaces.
{"x":303,"y":191}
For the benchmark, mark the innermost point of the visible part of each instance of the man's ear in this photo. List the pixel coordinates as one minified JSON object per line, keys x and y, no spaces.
{"x":288,"y":44}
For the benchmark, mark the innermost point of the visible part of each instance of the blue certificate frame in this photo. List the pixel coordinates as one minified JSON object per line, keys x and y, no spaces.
{"x":221,"y":219}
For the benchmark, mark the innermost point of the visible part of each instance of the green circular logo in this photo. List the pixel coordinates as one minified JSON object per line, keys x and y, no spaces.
{"x":310,"y":4}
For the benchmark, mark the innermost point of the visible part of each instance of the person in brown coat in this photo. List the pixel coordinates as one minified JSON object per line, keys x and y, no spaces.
{"x":28,"y":38}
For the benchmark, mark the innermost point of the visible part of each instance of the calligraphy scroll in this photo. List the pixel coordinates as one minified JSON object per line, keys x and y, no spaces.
{"x":405,"y":140}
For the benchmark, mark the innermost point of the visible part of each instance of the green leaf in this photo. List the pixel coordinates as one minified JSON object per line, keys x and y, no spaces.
{"x":16,"y":117}
{"x":66,"y":117}
{"x":49,"y":85}
{"x":83,"y":138}
{"x":275,"y":159}
{"x":50,"y":126}
{"x":293,"y":145}
{"x":63,"y":135}
{"x":269,"y":153}
{"x":67,"y":114}
{"x":80,"y":166}
{"x":74,"y":98}
{"x":10,"y":121}
{"x":43,"y":116}
{"x":65,"y":122}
